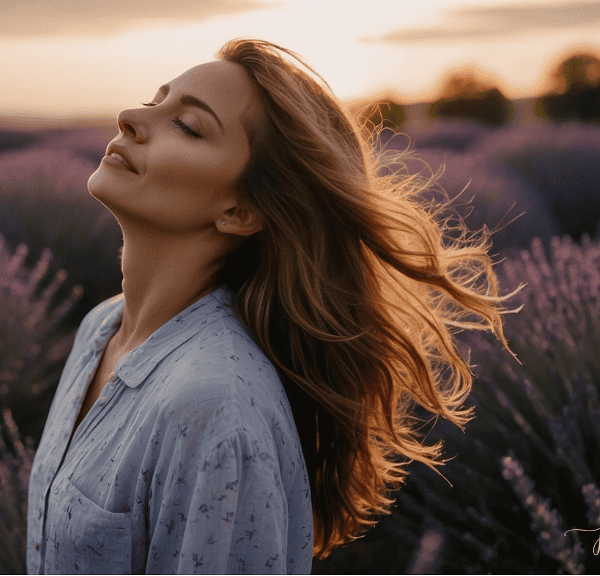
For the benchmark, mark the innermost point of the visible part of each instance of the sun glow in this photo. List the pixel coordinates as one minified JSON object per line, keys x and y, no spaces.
{"x":360,"y":47}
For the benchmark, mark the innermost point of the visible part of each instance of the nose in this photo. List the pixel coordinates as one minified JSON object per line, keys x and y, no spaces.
{"x":130,"y":122}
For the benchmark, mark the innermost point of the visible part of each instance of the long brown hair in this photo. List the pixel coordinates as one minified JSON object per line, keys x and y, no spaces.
{"x":353,"y":290}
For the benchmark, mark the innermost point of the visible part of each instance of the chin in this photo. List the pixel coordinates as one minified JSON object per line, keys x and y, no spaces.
{"x":97,"y":184}
{"x":93,"y":181}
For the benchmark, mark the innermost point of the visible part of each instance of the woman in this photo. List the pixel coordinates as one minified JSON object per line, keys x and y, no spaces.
{"x":246,"y":403}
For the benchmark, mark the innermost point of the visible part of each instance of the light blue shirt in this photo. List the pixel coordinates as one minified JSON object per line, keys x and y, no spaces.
{"x":189,"y":462}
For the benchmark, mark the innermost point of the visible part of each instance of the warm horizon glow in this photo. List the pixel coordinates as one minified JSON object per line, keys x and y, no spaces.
{"x":87,"y":63}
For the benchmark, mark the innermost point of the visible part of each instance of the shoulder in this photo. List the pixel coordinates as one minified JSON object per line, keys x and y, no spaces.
{"x":99,"y":316}
{"x":104,"y":309}
{"x":95,"y":324}
{"x":223,"y":357}
{"x":222,"y":366}
{"x":221,"y":383}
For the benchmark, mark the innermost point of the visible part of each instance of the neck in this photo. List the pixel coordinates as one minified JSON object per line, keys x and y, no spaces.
{"x":163,"y":274}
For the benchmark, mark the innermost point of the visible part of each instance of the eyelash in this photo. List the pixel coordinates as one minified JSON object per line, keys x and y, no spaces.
{"x":179,"y":123}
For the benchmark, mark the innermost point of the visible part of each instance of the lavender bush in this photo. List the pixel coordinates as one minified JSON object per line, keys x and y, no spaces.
{"x":553,"y":171}
{"x":15,"y":466}
{"x":525,"y":473}
{"x":544,"y":176}
{"x":566,"y":173}
{"x":15,"y":139}
{"x":33,"y":343}
{"x":486,"y":193}
{"x":457,"y":135}
{"x":87,"y":142}
{"x":44,"y":201}
{"x":33,"y":349}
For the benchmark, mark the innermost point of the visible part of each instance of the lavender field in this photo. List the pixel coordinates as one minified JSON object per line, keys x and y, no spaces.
{"x":525,"y":475}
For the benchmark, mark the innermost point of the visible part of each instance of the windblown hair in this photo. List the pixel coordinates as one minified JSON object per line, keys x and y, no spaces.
{"x":353,"y":290}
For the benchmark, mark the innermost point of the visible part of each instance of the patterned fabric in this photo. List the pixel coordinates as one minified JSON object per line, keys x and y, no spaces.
{"x":189,"y":462}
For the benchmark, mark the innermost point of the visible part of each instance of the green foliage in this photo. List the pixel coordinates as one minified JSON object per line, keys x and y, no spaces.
{"x":33,"y":345}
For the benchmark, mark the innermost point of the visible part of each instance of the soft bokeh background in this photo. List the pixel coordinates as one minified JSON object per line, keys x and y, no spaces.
{"x":500,"y":98}
{"x":92,"y":58}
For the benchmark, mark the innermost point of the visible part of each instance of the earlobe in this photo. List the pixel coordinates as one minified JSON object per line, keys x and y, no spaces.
{"x":241,"y":221}
{"x":249,"y":227}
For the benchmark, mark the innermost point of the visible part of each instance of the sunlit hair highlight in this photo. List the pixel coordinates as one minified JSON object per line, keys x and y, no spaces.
{"x":354,"y":290}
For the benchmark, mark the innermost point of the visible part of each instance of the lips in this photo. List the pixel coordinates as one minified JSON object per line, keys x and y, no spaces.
{"x":120,"y":153}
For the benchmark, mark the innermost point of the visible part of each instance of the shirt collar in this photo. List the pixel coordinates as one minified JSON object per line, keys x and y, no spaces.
{"x":135,"y":366}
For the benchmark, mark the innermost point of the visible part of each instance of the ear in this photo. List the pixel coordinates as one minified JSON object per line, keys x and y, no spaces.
{"x":239,"y":220}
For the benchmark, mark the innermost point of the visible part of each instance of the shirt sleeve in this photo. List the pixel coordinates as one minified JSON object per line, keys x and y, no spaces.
{"x":221,"y":512}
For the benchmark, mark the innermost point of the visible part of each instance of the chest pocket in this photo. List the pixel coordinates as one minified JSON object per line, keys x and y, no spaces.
{"x":83,"y":538}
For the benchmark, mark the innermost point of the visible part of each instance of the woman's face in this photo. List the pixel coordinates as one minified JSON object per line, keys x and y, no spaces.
{"x":185,"y":158}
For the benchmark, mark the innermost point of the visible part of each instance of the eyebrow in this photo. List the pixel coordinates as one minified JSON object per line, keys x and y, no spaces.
{"x":189,"y":100}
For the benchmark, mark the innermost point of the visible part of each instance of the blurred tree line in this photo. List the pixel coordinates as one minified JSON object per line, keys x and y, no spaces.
{"x":467,"y":95}
{"x":574,"y":95}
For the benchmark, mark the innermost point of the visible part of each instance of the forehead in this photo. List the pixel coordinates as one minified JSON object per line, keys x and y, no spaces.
{"x":224,"y":86}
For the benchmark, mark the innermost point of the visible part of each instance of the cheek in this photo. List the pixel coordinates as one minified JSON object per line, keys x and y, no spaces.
{"x":211,"y":171}
{"x":195,"y":171}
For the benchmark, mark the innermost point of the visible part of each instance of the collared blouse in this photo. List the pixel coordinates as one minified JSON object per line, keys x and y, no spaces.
{"x":189,"y":462}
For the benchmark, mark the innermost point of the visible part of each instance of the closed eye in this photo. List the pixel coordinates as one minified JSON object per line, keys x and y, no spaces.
{"x":186,"y":128}
{"x":179,"y":123}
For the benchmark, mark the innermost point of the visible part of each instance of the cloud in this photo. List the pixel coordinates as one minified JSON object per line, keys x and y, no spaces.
{"x":483,"y":22}
{"x":28,"y":18}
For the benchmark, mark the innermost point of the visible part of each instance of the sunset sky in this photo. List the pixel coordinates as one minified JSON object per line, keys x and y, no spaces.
{"x":90,"y":58}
